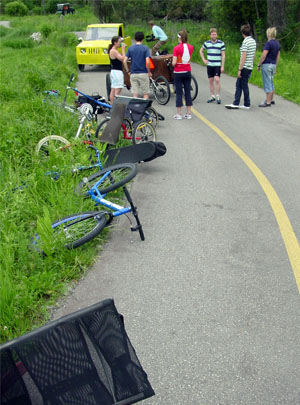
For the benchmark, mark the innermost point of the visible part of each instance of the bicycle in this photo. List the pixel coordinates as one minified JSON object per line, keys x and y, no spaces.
{"x":138,"y":128}
{"x":142,"y":132}
{"x":77,"y":229}
{"x":52,"y":143}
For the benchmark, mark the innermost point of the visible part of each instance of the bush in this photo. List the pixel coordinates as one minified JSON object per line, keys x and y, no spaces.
{"x":37,"y":11}
{"x":46,"y":30}
{"x":16,"y":8}
{"x":50,"y":6}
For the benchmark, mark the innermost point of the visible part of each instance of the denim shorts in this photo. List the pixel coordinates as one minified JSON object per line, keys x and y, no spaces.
{"x":268,"y":70}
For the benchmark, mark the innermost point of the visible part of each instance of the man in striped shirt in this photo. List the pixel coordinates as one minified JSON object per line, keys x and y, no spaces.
{"x":248,"y":52}
{"x":215,"y":61}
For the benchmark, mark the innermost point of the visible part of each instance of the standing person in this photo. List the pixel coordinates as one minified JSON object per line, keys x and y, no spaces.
{"x":215,"y":63}
{"x":248,"y":51}
{"x":139,"y":67}
{"x":159,"y":35}
{"x":116,"y":65}
{"x":268,"y":63}
{"x":182,"y":74}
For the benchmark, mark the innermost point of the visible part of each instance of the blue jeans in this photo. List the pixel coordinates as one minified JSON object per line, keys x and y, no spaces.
{"x":183,"y":80}
{"x":268,"y":70}
{"x":242,"y":86}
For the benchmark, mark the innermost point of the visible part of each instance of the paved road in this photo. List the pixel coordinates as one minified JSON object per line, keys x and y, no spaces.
{"x":210,"y":299}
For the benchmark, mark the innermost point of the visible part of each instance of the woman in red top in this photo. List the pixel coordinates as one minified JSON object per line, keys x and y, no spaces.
{"x":182,"y":74}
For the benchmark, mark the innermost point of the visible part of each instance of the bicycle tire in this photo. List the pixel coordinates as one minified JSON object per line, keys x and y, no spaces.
{"x":125,"y":131}
{"x":51,"y":144}
{"x":108,"y":85}
{"x":151,"y":115}
{"x":143,"y":132}
{"x":194,"y":88}
{"x":118,"y":176}
{"x":78,"y":228}
{"x":161,"y":90}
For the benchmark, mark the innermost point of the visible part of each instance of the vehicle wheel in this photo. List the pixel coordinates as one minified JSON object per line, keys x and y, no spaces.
{"x":50,"y":145}
{"x":143,"y":132}
{"x":194,"y":88}
{"x":81,"y":67}
{"x":161,"y":90}
{"x":75,"y":230}
{"x":151,"y":116}
{"x":108,"y":86}
{"x":116,"y":177}
{"x":123,"y":130}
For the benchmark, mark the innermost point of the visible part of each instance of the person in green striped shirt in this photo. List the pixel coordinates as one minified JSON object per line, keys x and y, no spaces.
{"x":248,"y":52}
{"x":215,"y":50}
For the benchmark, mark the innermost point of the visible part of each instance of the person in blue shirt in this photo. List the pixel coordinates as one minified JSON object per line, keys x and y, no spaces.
{"x":268,"y":63}
{"x":159,"y":35}
{"x":140,"y":72}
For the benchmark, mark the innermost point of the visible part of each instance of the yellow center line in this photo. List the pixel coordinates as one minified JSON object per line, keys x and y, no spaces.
{"x":287,"y":232}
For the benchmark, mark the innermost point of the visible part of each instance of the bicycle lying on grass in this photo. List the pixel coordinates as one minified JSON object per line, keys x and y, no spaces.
{"x":77,"y":229}
{"x":137,"y":126}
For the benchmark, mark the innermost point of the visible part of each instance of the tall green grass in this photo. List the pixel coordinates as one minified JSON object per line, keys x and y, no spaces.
{"x":29,"y":282}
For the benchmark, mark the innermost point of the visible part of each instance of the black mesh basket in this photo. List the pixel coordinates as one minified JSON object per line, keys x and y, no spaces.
{"x":83,"y":358}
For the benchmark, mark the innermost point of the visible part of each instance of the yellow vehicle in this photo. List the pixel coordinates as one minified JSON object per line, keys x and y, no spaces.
{"x":93,"y":50}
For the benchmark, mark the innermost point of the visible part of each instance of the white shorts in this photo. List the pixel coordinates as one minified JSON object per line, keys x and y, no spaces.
{"x":117,"y":79}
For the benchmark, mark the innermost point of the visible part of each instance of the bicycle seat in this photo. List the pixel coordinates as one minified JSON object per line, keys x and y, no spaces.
{"x":111,"y":132}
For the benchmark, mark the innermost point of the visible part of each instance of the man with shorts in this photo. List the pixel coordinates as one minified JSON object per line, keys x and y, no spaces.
{"x":159,"y":35}
{"x":215,"y":62}
{"x":139,"y":67}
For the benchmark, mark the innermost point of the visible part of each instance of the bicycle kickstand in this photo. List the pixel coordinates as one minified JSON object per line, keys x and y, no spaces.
{"x":138,"y":226}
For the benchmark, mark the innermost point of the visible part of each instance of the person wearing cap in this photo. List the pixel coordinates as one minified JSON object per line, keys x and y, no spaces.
{"x":159,"y":35}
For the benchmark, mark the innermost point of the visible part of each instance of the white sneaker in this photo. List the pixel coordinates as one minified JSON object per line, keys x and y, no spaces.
{"x":243,"y":107}
{"x":177,"y":117}
{"x":232,"y":106}
{"x":187,"y":116}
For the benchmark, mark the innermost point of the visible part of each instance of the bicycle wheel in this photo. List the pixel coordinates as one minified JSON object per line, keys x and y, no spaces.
{"x":161,"y":90}
{"x":50,"y":145}
{"x":118,"y":176}
{"x":151,"y":116}
{"x":143,"y":132}
{"x":194,"y":88}
{"x":108,"y":86}
{"x":102,"y":126}
{"x":127,"y":128}
{"x":75,"y":230}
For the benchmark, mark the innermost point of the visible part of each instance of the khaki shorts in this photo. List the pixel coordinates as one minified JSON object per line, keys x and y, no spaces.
{"x":140,"y":83}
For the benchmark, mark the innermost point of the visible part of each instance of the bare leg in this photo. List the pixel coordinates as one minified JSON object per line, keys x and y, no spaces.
{"x":146,"y":96}
{"x":211,"y":86}
{"x":269,"y":97}
{"x":218,"y":84}
{"x":179,"y":110}
{"x":188,"y":109}
{"x":112,"y":95}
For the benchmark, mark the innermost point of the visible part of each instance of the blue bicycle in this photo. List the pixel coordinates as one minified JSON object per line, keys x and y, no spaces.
{"x":77,"y":229}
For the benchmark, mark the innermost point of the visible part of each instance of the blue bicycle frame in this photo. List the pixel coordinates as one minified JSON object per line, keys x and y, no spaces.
{"x":118,"y":210}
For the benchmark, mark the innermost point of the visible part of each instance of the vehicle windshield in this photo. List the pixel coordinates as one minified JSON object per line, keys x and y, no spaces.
{"x":100,"y":33}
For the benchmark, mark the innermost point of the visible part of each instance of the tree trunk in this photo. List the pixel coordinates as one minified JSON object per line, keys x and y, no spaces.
{"x":277,"y":14}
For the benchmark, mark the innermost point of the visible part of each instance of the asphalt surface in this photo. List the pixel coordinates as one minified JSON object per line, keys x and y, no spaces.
{"x":210,"y":300}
